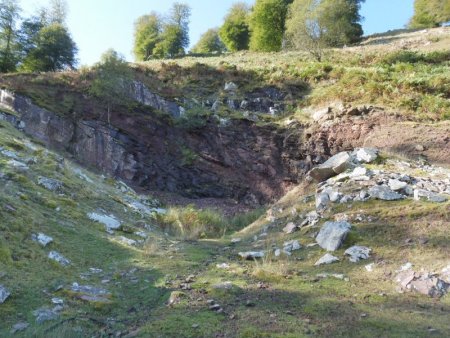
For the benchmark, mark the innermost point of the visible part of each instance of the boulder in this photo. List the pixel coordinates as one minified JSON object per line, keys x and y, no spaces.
{"x":19,"y":327}
{"x":333,"y":234}
{"x":384,"y":193}
{"x":42,"y":239}
{"x":290,"y":228}
{"x":50,"y":183}
{"x":57,"y":257}
{"x":290,"y":246}
{"x":333,"y":166}
{"x":366,"y":155}
{"x":397,"y":185}
{"x":4,"y":294}
{"x":326,"y":259}
{"x":357,"y":253}
{"x":430,"y":196}
{"x":322,"y":201}
{"x":110,"y":221}
{"x":44,"y":315}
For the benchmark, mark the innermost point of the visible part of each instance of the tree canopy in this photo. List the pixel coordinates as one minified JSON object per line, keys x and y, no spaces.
{"x":156,"y":37}
{"x":147,"y":33}
{"x":313,"y":25}
{"x":9,"y":15}
{"x":235,"y":31}
{"x":430,"y":13}
{"x":209,"y":42}
{"x":267,"y":22}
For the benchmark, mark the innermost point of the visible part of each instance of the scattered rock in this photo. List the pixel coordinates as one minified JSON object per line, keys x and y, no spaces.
{"x":110,"y":222}
{"x":127,"y":241}
{"x":333,"y":166}
{"x":249,"y":255}
{"x":4,"y":294}
{"x":42,"y":239}
{"x":326,"y":259}
{"x":366,"y":155}
{"x":44,"y":315}
{"x":91,"y":293}
{"x":290,"y":246}
{"x":235,"y":240}
{"x":56,"y":256}
{"x":322,"y":201}
{"x":50,"y":183}
{"x":18,"y":165}
{"x":424,"y":283}
{"x":223,"y":266}
{"x":357,"y":253}
{"x":290,"y":228}
{"x":397,"y":185}
{"x":22,"y":326}
{"x":223,"y":286}
{"x":385,"y":193}
{"x":230,"y":87}
{"x":431,"y":196}
{"x":333,"y":234}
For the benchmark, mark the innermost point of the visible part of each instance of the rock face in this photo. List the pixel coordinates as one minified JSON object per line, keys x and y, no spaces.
{"x":333,"y":166}
{"x":333,"y":234}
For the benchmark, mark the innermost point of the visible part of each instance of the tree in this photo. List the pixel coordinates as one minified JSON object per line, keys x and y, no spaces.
{"x":314,"y":25}
{"x":147,"y":34}
{"x":430,"y":13}
{"x":57,"y":12}
{"x":235,"y":31}
{"x":179,"y":16}
{"x":112,"y":79}
{"x":9,"y":15}
{"x":53,"y":50}
{"x":267,"y":25}
{"x":209,"y":43}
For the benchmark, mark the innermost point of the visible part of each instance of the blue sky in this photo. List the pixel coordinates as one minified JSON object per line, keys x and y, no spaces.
{"x":97,"y":25}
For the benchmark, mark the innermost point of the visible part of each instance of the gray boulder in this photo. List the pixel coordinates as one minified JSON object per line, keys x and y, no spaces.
{"x":4,"y":294}
{"x":384,"y":193}
{"x":366,"y":155}
{"x":397,"y":185}
{"x":326,"y":259}
{"x":333,"y":166}
{"x":290,"y":228}
{"x":333,"y":234}
{"x":357,"y":253}
{"x":322,"y":201}
{"x":50,"y":183}
{"x":110,"y":221}
{"x":42,"y":239}
{"x":57,"y":257}
{"x":290,"y":246}
{"x":44,"y":315}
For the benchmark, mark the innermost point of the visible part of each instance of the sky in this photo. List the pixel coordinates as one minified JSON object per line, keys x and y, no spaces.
{"x":97,"y":25}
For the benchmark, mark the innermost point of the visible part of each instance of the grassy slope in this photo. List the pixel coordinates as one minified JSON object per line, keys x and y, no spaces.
{"x":294,"y":304}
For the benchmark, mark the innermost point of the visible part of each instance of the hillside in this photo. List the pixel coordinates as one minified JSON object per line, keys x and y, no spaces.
{"x":203,"y":203}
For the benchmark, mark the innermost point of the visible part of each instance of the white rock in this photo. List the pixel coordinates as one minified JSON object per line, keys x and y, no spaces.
{"x":369,"y":267}
{"x":367,"y":155}
{"x":18,"y":165}
{"x":110,"y":221}
{"x":326,"y":259}
{"x":4,"y":294}
{"x":290,"y":228}
{"x":127,"y":241}
{"x":42,"y":239}
{"x":223,"y":266}
{"x":235,"y":240}
{"x":397,"y":185}
{"x":56,"y":256}
{"x":385,"y":193}
{"x":291,"y":246}
{"x":357,"y":253}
